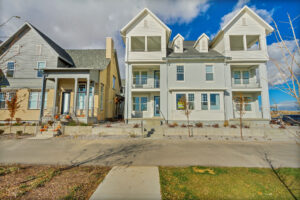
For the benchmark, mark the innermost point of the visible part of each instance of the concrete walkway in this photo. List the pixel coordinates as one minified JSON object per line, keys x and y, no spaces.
{"x":129,"y":183}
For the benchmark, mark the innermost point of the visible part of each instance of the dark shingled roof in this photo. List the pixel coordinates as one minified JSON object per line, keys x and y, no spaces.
{"x":60,"y":51}
{"x":190,"y":52}
{"x":89,"y":58}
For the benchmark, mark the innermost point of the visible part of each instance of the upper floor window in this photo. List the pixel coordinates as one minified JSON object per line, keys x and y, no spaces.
{"x":180,"y":73}
{"x":140,"y":77}
{"x":236,"y":42}
{"x":153,"y":43}
{"x":40,"y":66}
{"x":10,"y":69}
{"x":137,"y":43}
{"x":114,"y":82}
{"x":253,"y":42}
{"x":241,"y":77}
{"x":209,"y":73}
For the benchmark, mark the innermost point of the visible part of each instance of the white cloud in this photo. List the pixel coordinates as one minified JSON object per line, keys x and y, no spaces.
{"x":276,"y":57}
{"x":85,"y":24}
{"x":264,"y":14}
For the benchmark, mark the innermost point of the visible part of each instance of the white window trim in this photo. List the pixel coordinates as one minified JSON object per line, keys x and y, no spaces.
{"x":140,"y":103}
{"x":146,"y":43}
{"x":184,"y":72}
{"x":8,"y":70}
{"x":213,"y":72}
{"x":252,"y":104}
{"x":38,"y":102}
{"x":241,"y":74}
{"x":37,"y":64}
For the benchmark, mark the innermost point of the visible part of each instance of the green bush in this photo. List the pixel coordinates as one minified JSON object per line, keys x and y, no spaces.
{"x":1,"y":131}
{"x":19,"y":133}
{"x":72,"y":123}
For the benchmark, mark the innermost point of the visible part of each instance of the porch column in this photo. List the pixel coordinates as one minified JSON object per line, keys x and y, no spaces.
{"x":265,"y":103}
{"x":44,"y":85}
{"x":93,"y":95}
{"x":87,"y":97}
{"x":75,"y":96}
{"x":245,"y":42}
{"x":55,"y":96}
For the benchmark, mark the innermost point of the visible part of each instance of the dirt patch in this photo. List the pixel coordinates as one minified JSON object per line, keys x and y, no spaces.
{"x":49,"y":182}
{"x":14,"y":136}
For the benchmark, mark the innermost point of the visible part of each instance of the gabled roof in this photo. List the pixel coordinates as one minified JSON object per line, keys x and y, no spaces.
{"x":177,"y":36}
{"x":143,"y":13}
{"x":199,"y":38}
{"x":269,"y":29}
{"x":58,"y":50}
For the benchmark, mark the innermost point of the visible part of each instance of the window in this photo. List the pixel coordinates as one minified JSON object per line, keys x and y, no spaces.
{"x":35,"y":100}
{"x":40,"y":66}
{"x":245,"y":101}
{"x":140,"y":103}
{"x":154,"y":43}
{"x":236,"y":42}
{"x":209,"y":73}
{"x":214,"y":102}
{"x":101,"y":96}
{"x":191,"y":99}
{"x":140,"y":78}
{"x":2,"y":100}
{"x":253,"y":42}
{"x":136,"y":78}
{"x":91,"y":106}
{"x":10,"y":69}
{"x":204,"y":102}
{"x":180,"y":101}
{"x":180,"y":73}
{"x":114,"y":82}
{"x":137,"y":43}
{"x":81,"y":96}
{"x":144,"y":77}
{"x":237,"y":77}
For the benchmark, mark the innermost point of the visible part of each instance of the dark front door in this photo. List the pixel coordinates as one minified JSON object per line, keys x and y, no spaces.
{"x":65,"y":106}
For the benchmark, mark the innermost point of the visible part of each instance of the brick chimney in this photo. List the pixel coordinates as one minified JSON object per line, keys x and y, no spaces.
{"x":109,"y":47}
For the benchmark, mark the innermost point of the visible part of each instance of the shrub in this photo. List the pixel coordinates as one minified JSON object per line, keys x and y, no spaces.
{"x":171,"y":125}
{"x":19,"y":133}
{"x":175,"y":124}
{"x":18,"y":120}
{"x":199,"y":124}
{"x":246,"y":126}
{"x":136,"y":125}
{"x":1,"y":131}
{"x":7,"y":121}
{"x":215,"y":125}
{"x":132,"y":135}
{"x":83,"y":124}
{"x":72,"y":123}
{"x":108,"y":125}
{"x":183,"y":125}
{"x":17,"y":124}
{"x":33,"y":124}
{"x":226,"y":123}
{"x":233,"y":126}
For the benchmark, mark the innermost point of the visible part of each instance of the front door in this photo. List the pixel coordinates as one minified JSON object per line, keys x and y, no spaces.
{"x":65,"y":109}
{"x":156,"y":106}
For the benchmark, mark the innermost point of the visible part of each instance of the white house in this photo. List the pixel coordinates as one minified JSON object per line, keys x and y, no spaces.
{"x":211,"y":74}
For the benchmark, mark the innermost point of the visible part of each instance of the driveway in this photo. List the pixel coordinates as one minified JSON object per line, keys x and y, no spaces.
{"x":149,"y":152}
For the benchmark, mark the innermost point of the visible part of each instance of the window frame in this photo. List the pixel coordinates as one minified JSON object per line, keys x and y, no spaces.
{"x":177,"y":73}
{"x":210,"y":102}
{"x":13,"y":75}
{"x":177,"y":100}
{"x":114,"y":82}
{"x":139,"y":50}
{"x":230,"y":46}
{"x":213,"y":73}
{"x":140,"y":104}
{"x":241,"y":74}
{"x":37,"y":74}
{"x":39,"y":100}
{"x":147,"y":46}
{"x":189,"y":101}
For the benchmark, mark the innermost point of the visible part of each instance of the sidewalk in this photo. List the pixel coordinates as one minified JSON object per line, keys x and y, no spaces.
{"x":129,"y":183}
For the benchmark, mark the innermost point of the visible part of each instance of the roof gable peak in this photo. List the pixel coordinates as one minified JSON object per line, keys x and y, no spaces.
{"x":199,"y":38}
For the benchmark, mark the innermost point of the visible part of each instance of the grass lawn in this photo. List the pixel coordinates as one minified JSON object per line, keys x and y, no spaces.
{"x":49,"y":182}
{"x":227,"y":183}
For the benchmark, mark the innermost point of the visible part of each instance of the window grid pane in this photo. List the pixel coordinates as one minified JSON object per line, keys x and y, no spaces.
{"x":180,"y":73}
{"x":204,"y":102}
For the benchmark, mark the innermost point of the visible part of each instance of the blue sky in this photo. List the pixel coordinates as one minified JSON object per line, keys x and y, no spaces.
{"x":85,"y":24}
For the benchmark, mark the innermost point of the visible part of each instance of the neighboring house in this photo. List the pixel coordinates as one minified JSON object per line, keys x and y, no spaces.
{"x":211,"y":74}
{"x":30,"y":60}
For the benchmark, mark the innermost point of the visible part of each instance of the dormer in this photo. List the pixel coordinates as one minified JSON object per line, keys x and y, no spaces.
{"x":202,"y":43}
{"x":177,"y":43}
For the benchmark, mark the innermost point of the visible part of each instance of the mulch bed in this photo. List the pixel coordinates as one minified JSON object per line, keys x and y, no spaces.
{"x":49,"y":182}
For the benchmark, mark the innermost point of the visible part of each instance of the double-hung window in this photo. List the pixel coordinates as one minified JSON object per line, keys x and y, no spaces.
{"x":81,"y":96}
{"x":180,"y":73}
{"x":10,"y":69}
{"x":237,"y":77}
{"x":180,"y":101}
{"x":241,"y":77}
{"x":2,"y":100}
{"x":41,"y":66}
{"x":243,"y":104}
{"x":140,"y":103}
{"x":209,"y":73}
{"x":214,"y":101}
{"x":246,"y":76}
{"x":191,"y":103}
{"x":204,"y":102}
{"x":140,"y":78}
{"x":35,"y":100}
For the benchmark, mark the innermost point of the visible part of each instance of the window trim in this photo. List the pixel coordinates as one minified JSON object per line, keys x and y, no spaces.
{"x":145,"y":43}
{"x":213,"y":72}
{"x":37,"y":64}
{"x":39,"y":100}
{"x":114,"y":82}
{"x":178,"y":65}
{"x":241,"y":76}
{"x":140,"y":103}
{"x":10,"y":70}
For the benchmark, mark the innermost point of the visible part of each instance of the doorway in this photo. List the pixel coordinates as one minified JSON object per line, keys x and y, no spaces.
{"x":65,"y":106}
{"x":156,"y":106}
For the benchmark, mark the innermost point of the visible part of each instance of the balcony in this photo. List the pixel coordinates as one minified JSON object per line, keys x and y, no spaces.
{"x":146,"y":79}
{"x":148,"y":84}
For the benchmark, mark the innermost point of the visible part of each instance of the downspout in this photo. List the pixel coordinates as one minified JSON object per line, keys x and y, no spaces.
{"x":167,"y":64}
{"x":126,"y":61}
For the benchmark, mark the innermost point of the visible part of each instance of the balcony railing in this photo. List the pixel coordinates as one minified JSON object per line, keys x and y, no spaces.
{"x":148,"y":84}
{"x":250,"y":85}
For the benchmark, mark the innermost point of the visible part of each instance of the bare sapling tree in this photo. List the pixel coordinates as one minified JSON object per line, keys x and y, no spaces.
{"x":13,"y":106}
{"x":289,"y":68}
{"x":185,"y":106}
{"x":241,"y":103}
